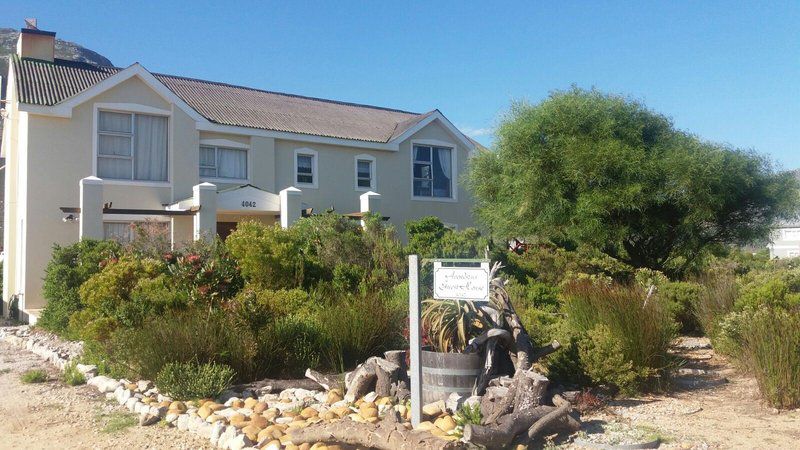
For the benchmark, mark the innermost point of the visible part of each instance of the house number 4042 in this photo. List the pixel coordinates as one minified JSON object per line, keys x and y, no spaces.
{"x":248,"y":204}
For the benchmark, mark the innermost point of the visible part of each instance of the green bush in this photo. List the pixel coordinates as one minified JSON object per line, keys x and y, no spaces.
{"x":123,"y":291}
{"x":33,"y":376}
{"x":681,"y":298}
{"x":553,"y":265}
{"x":288,"y":346}
{"x":603,"y":356}
{"x":72,"y":376}
{"x":773,"y":288}
{"x":205,"y":272}
{"x":642,"y":328}
{"x":716,"y":300}
{"x":193,"y":380}
{"x":183,"y":336}
{"x":68,"y":269}
{"x":363,"y":324}
{"x":771,"y":347}
{"x":269,"y":257}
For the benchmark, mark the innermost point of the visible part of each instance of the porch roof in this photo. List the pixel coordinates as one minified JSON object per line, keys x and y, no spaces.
{"x":244,"y":199}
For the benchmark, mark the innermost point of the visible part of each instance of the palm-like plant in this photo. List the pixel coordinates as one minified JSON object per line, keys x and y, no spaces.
{"x":452,"y":323}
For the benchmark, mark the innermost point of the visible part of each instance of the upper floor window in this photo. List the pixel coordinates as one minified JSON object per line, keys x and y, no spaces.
{"x":432,"y":171}
{"x":365,"y":172}
{"x":305,"y":167}
{"x":131,"y":146}
{"x":222,"y":162}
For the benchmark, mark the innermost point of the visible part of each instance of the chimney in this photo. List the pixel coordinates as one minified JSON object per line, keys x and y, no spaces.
{"x":35,"y":43}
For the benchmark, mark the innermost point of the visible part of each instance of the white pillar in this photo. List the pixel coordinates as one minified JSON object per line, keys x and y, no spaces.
{"x":290,"y":205}
{"x":91,"y":217}
{"x":205,"y":220}
{"x":370,"y":202}
{"x":415,"y":339}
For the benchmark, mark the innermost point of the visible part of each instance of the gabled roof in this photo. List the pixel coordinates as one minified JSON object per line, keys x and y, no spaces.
{"x":48,"y":84}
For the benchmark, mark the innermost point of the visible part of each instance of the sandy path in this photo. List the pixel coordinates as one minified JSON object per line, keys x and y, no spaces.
{"x":53,"y":415}
{"x":707,"y":414}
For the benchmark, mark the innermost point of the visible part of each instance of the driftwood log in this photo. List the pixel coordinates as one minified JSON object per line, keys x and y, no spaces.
{"x":388,"y":434}
{"x":270,"y":386}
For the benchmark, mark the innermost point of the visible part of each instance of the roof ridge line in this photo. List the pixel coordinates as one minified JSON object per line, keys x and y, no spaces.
{"x":286,"y":94}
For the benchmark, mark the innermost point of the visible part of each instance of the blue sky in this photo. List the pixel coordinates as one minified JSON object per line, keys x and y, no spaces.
{"x":727,"y":71}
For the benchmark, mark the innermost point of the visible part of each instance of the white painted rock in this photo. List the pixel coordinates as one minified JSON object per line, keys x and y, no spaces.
{"x":217,"y":428}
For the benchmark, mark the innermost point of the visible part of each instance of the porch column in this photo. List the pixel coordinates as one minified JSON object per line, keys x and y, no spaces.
{"x":91,"y":217}
{"x":205,"y":220}
{"x":370,"y":202}
{"x":290,"y":205}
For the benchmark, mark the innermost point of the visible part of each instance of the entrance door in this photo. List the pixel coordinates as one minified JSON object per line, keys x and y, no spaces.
{"x":225,"y":228}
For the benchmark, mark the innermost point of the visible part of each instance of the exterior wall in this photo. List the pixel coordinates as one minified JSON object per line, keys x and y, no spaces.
{"x":336,"y":180}
{"x":47,"y":156}
{"x":785,"y":243}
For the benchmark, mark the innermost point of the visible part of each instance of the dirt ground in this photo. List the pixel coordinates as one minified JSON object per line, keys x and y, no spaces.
{"x":714,"y":407}
{"x":707,"y":411}
{"x":53,"y":415}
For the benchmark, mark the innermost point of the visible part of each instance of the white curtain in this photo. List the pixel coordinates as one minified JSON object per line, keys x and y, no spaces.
{"x":118,"y":122}
{"x":150,"y":148}
{"x":232,"y":163}
{"x":208,"y":162}
{"x":118,"y":231}
{"x":442,"y":186}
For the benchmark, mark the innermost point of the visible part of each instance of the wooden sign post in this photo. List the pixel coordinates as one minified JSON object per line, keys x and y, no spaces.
{"x":453,"y":279}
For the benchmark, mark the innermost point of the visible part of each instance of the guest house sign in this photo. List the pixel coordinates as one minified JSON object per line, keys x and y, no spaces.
{"x":461,"y":283}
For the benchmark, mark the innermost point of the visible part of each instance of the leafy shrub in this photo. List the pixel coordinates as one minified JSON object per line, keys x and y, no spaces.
{"x":553,"y":265}
{"x":429,"y":238}
{"x":193,"y":380}
{"x":771,"y":347}
{"x":602,"y":354}
{"x":68,"y":269}
{"x":289,"y":345}
{"x":206,"y":272}
{"x":269,"y":256}
{"x":72,"y":376}
{"x":33,"y":376}
{"x":774,"y":288}
{"x":681,"y":298}
{"x":642,"y":328}
{"x":111,"y":293}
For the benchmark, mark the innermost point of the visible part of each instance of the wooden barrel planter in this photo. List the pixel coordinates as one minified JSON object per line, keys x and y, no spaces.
{"x":445,"y":373}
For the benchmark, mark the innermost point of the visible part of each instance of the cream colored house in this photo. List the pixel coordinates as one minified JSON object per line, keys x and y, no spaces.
{"x":90,"y":149}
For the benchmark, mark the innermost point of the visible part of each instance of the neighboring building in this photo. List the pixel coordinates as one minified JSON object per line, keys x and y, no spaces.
{"x":785,"y":242}
{"x":140,"y":144}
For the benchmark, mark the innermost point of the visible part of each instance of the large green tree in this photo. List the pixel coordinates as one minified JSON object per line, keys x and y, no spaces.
{"x":588,"y":168}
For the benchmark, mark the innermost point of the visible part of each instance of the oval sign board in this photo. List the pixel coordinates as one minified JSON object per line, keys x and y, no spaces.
{"x":461,"y":283}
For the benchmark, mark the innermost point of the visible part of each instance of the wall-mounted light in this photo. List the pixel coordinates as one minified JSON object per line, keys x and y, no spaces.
{"x":69,"y":218}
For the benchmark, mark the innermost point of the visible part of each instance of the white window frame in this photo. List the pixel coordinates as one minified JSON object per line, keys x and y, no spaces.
{"x":225,"y":143}
{"x":130,"y":219}
{"x":130,"y":108}
{"x":373,"y":183}
{"x":314,"y":164}
{"x":453,"y":175}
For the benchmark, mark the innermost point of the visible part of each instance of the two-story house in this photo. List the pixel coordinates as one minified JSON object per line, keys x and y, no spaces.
{"x":91,"y":149}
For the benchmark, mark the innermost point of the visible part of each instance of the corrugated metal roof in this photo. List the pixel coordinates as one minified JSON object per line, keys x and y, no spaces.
{"x":44,"y":83}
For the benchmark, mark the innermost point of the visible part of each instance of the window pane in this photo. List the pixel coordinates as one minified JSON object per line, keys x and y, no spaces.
{"x":232,"y":163}
{"x":422,"y":170}
{"x":441,"y":172}
{"x":304,"y":178}
{"x":208,"y":157}
{"x":304,"y":163}
{"x":422,"y":153}
{"x":422,"y":188}
{"x":208,"y":172}
{"x":364,"y":169}
{"x":110,"y":144}
{"x":111,"y":121}
{"x":120,"y":232}
{"x":150,"y":148}
{"x":116,"y":168}
{"x":364,"y":182}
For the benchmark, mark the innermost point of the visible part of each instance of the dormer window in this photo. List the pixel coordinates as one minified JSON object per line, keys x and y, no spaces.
{"x":432,"y":171}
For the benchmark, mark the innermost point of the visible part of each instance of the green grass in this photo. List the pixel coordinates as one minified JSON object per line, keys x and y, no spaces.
{"x":116,"y":421}
{"x":33,"y":376}
{"x":72,"y":376}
